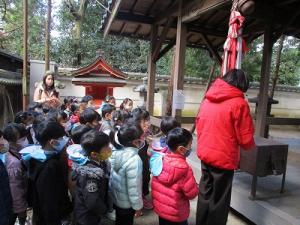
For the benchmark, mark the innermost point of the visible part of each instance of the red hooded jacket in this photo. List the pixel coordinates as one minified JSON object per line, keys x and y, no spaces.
{"x":173,"y":188}
{"x":223,"y":125}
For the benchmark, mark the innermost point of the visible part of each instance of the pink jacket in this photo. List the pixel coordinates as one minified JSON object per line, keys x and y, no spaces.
{"x":173,"y":188}
{"x":17,"y":180}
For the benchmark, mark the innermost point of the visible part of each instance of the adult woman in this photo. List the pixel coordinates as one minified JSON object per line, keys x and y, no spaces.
{"x":46,"y":92}
{"x":223,"y":126}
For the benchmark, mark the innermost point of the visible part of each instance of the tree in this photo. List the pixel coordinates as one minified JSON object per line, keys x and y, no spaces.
{"x":13,"y":39}
{"x":78,"y":11}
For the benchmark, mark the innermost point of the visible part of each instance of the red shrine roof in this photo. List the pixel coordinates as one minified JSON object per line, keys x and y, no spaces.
{"x":98,"y":72}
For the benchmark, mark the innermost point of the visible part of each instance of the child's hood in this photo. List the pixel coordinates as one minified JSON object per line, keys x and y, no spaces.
{"x":35,"y":152}
{"x":90,"y":169}
{"x":77,"y":154}
{"x":174,"y":169}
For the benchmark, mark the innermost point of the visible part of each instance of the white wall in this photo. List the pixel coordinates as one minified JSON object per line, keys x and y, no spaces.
{"x":289,"y":102}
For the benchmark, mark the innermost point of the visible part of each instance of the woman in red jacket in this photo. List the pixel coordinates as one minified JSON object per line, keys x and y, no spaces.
{"x":174,"y":185}
{"x":223,"y":126}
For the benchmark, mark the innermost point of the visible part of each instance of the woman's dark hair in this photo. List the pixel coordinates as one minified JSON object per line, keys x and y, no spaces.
{"x":48,"y":130}
{"x":126,"y":134}
{"x":178,"y":137}
{"x":94,"y":141}
{"x":168,"y":123}
{"x":77,"y":132}
{"x":14,"y":131}
{"x":87,"y":98}
{"x":237,"y":78}
{"x":89,"y":115}
{"x":48,"y":73}
{"x":108,"y":98}
{"x":1,"y":133}
{"x":107,"y":108}
{"x":139,"y":114}
{"x":125,"y":101}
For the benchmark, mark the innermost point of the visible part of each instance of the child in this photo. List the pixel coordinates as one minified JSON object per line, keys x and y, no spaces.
{"x":15,"y":134}
{"x":126,"y":174}
{"x":106,"y":125}
{"x":26,"y":119}
{"x":86,"y":102}
{"x":90,"y":118}
{"x":118,"y":118}
{"x":92,"y":179}
{"x":175,"y":185}
{"x":167,"y":123}
{"x":127,"y":105}
{"x":5,"y":194}
{"x":142,"y":118}
{"x":108,"y":100}
{"x":51,"y":203}
{"x":77,"y":133}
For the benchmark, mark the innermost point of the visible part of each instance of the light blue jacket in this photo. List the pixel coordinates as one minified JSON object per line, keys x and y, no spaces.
{"x":126,"y":178}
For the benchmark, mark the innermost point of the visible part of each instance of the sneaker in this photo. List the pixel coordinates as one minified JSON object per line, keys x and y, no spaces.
{"x":147,"y":204}
{"x":111,"y":215}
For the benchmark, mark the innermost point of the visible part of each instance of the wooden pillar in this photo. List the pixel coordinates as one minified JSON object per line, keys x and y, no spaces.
{"x":151,"y":71}
{"x":25,"y":55}
{"x":260,"y":124}
{"x":179,"y":58}
{"x":47,"y":38}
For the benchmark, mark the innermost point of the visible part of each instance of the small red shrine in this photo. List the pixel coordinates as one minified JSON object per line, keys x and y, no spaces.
{"x":99,"y":79}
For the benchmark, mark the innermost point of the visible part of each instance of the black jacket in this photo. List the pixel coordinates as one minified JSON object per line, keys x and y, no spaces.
{"x":5,"y":196}
{"x":51,"y":203}
{"x":91,"y":192}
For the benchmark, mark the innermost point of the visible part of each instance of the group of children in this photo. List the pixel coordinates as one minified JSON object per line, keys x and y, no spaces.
{"x":77,"y":164}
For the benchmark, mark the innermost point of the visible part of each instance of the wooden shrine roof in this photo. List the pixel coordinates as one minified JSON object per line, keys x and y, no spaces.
{"x":99,"y":66}
{"x":98,"y":72}
{"x":207,"y":20}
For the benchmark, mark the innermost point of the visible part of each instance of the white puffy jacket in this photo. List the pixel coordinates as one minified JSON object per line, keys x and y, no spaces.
{"x":126,"y":178}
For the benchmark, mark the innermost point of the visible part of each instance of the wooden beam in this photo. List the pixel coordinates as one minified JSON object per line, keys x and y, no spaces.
{"x":189,"y":36}
{"x":112,"y":17}
{"x":135,"y":18}
{"x":212,"y":49}
{"x":133,"y":6}
{"x":260,"y":123}
{"x":179,"y":58}
{"x":137,"y":29}
{"x":207,"y":31}
{"x":173,"y":11}
{"x":202,"y":7}
{"x":151,"y":71}
{"x":151,"y":7}
{"x":122,"y":28}
{"x":162,"y":38}
{"x":165,"y":49}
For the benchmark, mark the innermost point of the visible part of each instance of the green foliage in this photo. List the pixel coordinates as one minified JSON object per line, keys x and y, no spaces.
{"x":289,"y":71}
{"x":13,"y":41}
